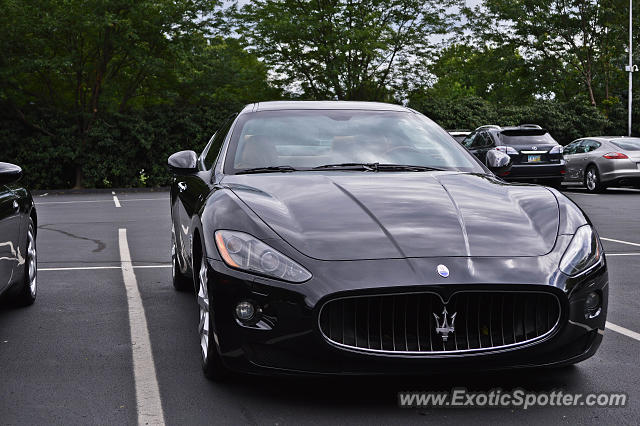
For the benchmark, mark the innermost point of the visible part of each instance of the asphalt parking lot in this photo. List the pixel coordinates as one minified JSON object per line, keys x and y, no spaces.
{"x":68,"y":358}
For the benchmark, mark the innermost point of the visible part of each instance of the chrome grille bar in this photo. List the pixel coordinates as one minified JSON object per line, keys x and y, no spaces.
{"x":485,"y":321}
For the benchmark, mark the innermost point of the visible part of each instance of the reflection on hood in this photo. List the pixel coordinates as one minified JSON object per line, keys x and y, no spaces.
{"x":355,"y":215}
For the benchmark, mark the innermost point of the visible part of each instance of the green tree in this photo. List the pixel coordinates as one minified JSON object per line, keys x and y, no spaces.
{"x":343,"y":49}
{"x":564,"y":40}
{"x":499,"y":75}
{"x":87,"y":57}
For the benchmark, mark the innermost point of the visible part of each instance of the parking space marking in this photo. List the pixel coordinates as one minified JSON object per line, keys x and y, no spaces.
{"x":72,"y":202}
{"x":622,"y":330}
{"x":620,"y":241}
{"x":623,"y":254}
{"x":148,"y":401}
{"x":115,"y":199}
{"x":146,"y":199}
{"x":79,"y":268}
{"x":99,"y":201}
{"x":92,"y":268}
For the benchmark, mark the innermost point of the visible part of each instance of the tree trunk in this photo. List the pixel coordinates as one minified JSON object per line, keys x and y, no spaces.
{"x":589,"y":82}
{"x":78,"y":184}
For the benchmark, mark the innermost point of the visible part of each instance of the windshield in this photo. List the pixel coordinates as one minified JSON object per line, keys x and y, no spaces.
{"x":627,"y":144}
{"x":304,"y":139}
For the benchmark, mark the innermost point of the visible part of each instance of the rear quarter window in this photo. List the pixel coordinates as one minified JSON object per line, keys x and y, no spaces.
{"x":628,"y":144}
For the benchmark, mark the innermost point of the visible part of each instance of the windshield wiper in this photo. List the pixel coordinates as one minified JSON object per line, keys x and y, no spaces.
{"x":405,"y":167}
{"x":369,"y":167}
{"x":271,"y":169}
{"x":376,"y":167}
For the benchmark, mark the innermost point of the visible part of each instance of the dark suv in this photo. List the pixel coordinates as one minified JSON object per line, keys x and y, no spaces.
{"x":536,"y":156}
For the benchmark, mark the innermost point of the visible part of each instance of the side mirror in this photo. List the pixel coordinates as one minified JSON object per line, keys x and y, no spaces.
{"x":183,"y":162}
{"x":498,"y":162}
{"x":9,"y":173}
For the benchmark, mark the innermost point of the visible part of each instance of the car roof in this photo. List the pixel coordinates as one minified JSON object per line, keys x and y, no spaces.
{"x":608,"y":138}
{"x":488,"y":127}
{"x":523,"y":128}
{"x":324,"y":105}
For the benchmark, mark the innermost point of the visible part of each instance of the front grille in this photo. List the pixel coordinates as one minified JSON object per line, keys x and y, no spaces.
{"x":405,"y":323}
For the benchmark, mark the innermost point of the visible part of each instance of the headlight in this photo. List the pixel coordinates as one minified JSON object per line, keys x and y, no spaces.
{"x":583,"y":252}
{"x":242,"y":251}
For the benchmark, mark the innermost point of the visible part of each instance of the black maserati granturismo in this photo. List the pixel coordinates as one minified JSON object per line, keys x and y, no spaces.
{"x":18,"y":256}
{"x":360,"y":238}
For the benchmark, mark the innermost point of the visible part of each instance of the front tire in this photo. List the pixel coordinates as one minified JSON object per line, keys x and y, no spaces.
{"x":592,"y":180}
{"x":211,"y":363}
{"x":27,"y":290}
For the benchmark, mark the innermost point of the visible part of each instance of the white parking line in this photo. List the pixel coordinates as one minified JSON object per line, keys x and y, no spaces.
{"x":620,"y":241}
{"x":92,"y":268}
{"x":147,"y":391}
{"x":79,"y":268}
{"x":623,"y":254}
{"x":623,"y":330}
{"x":99,"y":201}
{"x":115,"y":199}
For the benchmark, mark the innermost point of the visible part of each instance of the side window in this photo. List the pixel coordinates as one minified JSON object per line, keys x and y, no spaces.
{"x":592,"y":146}
{"x":481,"y":141}
{"x":489,"y":142}
{"x":213,"y":149}
{"x":571,"y":148}
{"x":468,"y":141}
{"x":477,"y":141}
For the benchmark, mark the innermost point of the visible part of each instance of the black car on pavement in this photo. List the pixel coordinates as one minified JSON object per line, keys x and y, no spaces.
{"x":18,"y":220}
{"x":536,"y":156}
{"x":360,"y":238}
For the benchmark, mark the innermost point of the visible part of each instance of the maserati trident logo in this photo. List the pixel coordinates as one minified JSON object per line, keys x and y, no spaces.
{"x":444,"y":328}
{"x":443,"y":271}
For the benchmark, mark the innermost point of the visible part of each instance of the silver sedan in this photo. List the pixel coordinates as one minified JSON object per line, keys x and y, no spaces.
{"x":600,"y":162}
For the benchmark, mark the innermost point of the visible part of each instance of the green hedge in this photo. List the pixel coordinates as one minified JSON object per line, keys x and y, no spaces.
{"x":565,"y":121}
{"x":122,"y":150}
{"x":131,"y":150}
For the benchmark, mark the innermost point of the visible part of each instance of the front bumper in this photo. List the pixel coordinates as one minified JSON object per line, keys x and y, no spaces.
{"x":534,"y":172}
{"x":287,"y":339}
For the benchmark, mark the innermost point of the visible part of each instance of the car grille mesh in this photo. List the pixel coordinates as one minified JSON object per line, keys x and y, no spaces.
{"x":406,"y":323}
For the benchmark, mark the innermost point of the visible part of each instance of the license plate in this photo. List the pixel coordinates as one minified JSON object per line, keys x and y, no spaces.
{"x":534,"y":159}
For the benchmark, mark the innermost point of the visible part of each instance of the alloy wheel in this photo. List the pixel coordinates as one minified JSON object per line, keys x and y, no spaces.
{"x":32,"y":262}
{"x":592,"y":180}
{"x":203,"y":303}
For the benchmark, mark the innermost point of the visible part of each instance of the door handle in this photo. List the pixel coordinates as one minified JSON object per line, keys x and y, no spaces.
{"x":182,"y":186}
{"x":16,"y":206}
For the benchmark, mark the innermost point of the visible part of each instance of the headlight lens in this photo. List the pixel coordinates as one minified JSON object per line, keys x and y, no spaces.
{"x":583,"y":252}
{"x":242,"y":251}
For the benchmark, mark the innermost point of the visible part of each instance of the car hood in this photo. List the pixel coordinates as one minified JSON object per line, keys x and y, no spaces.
{"x":360,"y":215}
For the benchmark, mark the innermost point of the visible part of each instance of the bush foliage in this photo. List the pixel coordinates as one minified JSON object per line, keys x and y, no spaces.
{"x":131,"y":150}
{"x":566,"y":121}
{"x":122,"y":151}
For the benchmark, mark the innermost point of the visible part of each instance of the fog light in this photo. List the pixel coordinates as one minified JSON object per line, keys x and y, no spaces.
{"x":245,"y":311}
{"x":592,"y":305}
